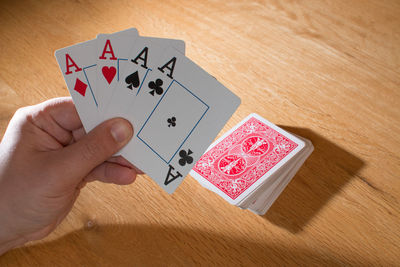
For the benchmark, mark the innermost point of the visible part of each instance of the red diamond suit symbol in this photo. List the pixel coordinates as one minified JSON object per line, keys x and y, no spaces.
{"x":80,"y":87}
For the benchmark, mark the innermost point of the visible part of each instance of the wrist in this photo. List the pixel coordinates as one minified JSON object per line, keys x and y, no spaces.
{"x":8,"y":238}
{"x":6,"y":245}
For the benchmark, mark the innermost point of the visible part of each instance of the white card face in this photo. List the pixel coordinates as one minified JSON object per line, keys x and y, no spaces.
{"x":111,"y":51}
{"x":78,"y":66}
{"x":145,"y":51}
{"x":184,"y":109}
{"x":190,"y":109}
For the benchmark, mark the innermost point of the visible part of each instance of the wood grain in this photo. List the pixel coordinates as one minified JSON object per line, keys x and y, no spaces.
{"x":326,"y":70}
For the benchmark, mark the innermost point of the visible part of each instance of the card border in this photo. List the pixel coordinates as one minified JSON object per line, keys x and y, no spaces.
{"x":191,"y":131}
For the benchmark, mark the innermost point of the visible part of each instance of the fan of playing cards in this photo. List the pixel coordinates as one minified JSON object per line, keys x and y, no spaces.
{"x":177,"y":109}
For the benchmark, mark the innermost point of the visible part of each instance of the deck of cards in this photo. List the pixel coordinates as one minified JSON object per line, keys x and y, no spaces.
{"x":250,"y":165}
{"x":177,"y":109}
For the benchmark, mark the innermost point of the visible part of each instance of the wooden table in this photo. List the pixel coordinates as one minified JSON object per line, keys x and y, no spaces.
{"x":325,"y":70}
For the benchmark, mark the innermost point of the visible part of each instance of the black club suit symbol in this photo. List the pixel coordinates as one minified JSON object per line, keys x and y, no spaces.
{"x":185,"y":157}
{"x":171,"y":122}
{"x":156,"y":87}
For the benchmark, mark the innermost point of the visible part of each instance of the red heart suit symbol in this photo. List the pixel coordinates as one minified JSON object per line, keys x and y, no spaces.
{"x":109,"y":73}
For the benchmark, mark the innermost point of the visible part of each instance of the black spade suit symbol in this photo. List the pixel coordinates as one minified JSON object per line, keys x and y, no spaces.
{"x":133,"y":80}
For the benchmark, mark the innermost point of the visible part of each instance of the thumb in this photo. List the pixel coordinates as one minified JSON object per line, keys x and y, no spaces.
{"x":96,"y":147}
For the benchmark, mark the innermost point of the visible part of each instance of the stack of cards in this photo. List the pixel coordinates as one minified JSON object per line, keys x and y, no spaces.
{"x":251,"y":164}
{"x":175,"y":107}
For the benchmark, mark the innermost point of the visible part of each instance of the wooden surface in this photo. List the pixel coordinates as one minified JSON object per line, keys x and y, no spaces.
{"x":325,"y":70}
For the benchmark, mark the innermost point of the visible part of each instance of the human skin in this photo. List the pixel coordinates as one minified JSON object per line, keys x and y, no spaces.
{"x":46,"y":158}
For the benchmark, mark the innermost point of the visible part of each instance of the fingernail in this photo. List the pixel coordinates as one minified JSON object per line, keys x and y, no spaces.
{"x":121,"y":131}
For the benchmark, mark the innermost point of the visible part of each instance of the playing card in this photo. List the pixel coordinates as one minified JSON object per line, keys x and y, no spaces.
{"x":135,"y":68}
{"x":265,"y":200}
{"x":111,"y":51}
{"x":78,"y":66}
{"x":184,"y":109}
{"x":245,"y":157}
{"x":266,"y":190}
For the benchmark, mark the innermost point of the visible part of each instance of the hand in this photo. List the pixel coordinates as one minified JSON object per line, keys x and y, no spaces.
{"x":45,"y":159}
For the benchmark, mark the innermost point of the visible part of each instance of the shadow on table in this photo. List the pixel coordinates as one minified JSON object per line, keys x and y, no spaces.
{"x":150,"y":245}
{"x":325,"y":172}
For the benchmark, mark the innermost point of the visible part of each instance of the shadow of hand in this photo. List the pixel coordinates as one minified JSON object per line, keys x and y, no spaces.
{"x":150,"y":245}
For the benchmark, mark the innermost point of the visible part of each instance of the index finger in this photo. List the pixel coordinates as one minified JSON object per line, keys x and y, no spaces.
{"x":64,"y":113}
